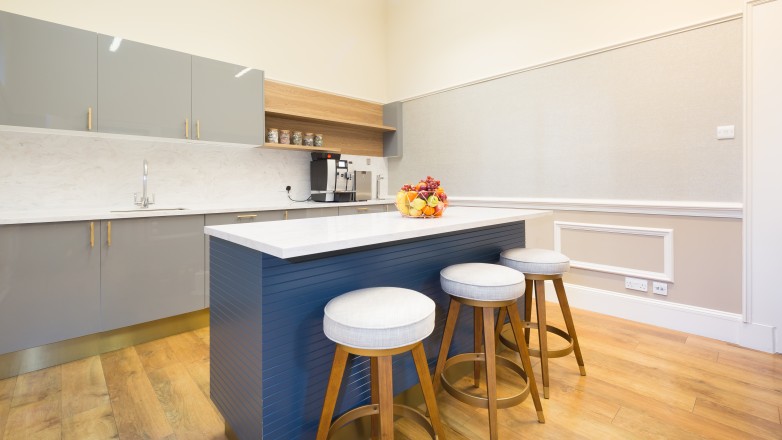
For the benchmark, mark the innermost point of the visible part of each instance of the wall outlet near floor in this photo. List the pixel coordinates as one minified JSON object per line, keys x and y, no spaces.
{"x":636,"y":284}
{"x":660,"y":288}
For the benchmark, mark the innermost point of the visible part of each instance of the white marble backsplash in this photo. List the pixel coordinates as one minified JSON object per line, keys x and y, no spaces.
{"x":57,"y":170}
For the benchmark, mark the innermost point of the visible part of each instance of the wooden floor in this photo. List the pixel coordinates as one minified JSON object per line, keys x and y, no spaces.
{"x":642,"y":382}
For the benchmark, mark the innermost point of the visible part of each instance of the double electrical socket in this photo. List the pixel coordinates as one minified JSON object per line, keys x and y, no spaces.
{"x":643,"y":286}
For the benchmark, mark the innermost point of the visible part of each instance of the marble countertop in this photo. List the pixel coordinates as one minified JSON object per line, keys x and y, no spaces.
{"x":301,"y":237}
{"x":8,"y":217}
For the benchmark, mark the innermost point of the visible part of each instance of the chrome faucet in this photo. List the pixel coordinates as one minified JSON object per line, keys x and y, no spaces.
{"x":145,"y":200}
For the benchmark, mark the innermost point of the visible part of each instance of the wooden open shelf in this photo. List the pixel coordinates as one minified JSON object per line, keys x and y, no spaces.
{"x":329,"y":121}
{"x":352,"y":125}
{"x":299,"y":148}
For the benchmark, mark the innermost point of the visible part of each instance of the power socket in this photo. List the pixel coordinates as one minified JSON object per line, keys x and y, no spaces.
{"x":636,"y":284}
{"x":660,"y":288}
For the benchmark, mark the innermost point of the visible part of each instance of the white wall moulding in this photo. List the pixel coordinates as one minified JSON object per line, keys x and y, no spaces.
{"x":665,"y":234}
{"x":728,"y":327}
{"x":676,"y":208}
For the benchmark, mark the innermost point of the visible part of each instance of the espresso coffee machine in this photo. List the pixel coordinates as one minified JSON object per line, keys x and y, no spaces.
{"x":329,"y":178}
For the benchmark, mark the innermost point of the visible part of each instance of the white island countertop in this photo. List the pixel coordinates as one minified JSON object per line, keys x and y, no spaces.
{"x":302,"y":237}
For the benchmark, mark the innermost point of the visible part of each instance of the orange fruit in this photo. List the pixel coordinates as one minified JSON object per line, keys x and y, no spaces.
{"x":439,"y":191}
{"x":411,"y":195}
{"x":428,"y":210}
{"x":438,"y":213}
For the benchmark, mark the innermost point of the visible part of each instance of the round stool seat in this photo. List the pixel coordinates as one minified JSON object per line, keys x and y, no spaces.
{"x":379,"y":318}
{"x":482,"y":282}
{"x":535,"y":261}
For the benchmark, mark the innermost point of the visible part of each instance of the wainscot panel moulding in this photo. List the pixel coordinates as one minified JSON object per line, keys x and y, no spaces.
{"x":677,"y":208}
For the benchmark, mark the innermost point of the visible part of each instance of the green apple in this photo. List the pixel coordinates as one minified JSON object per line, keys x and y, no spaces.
{"x":432,"y":201}
{"x":418,"y":204}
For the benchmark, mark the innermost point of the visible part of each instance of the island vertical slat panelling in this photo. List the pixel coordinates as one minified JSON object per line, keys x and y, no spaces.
{"x":296,"y":354}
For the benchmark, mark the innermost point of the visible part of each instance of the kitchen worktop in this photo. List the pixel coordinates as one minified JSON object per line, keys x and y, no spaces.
{"x":297,"y":238}
{"x":9,"y":217}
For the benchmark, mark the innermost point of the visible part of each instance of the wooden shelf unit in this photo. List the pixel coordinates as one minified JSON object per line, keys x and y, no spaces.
{"x":348,"y":125}
{"x":299,"y":148}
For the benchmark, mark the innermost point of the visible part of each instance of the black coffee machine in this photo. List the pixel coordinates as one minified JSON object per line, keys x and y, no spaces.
{"x":329,"y":179}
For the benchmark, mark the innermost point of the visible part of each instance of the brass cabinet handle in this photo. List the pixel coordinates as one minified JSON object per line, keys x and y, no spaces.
{"x":244,"y":216}
{"x":89,"y":118}
{"x":92,"y":234}
{"x":187,"y":129}
{"x":198,"y":129}
{"x":362,"y":209}
{"x":286,"y":215}
{"x":108,"y":229}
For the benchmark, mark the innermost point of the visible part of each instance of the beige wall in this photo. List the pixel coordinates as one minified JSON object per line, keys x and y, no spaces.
{"x":435,"y":44}
{"x":707,"y":255}
{"x":337,"y":46}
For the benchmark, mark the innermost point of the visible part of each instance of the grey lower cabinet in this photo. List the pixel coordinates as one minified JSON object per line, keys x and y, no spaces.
{"x":351,"y":210}
{"x":142,"y":89}
{"x":49,"y":283}
{"x":48,"y":74}
{"x":227,"y":108}
{"x":151,"y":268}
{"x":312,"y":212}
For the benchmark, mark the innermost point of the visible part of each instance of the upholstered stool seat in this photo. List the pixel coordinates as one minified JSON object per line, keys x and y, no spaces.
{"x":485,"y":287}
{"x":539,"y":265}
{"x":379,"y":322}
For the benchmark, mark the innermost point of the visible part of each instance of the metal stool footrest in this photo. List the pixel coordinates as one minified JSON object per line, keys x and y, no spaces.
{"x":478,"y":401}
{"x":371,"y":410}
{"x":549,"y":328}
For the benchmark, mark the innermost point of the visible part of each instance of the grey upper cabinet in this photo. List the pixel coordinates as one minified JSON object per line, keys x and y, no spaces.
{"x":151,"y":268}
{"x":48,"y":74}
{"x":392,"y":141}
{"x":49,"y":283}
{"x":143,"y":90}
{"x":227,"y":108}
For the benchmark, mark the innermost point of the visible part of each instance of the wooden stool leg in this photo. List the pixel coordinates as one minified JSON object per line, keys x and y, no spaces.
{"x":477,"y":344}
{"x":491,"y":373}
{"x":540,"y":301}
{"x":500,"y":325}
{"x":559,"y":286}
{"x":422,"y":366}
{"x":386,"y":388}
{"x":527,"y":307}
{"x":374,"y":375}
{"x":332,"y":391}
{"x":515,"y":321}
{"x":445,"y":344}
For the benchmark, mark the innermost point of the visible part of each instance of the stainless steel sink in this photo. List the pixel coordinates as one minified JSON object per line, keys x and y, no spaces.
{"x":148,"y":209}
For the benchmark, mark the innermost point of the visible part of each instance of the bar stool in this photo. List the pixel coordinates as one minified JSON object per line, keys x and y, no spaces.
{"x":539,"y":265}
{"x":379,"y":322}
{"x":485,"y":287}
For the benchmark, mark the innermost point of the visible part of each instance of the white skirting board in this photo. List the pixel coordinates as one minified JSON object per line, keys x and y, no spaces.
{"x":724,"y":326}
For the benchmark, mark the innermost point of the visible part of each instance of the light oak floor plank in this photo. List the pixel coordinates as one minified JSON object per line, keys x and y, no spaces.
{"x":643,"y":382}
{"x":137,"y":411}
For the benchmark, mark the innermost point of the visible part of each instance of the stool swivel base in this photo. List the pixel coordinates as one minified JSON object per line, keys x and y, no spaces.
{"x":484,"y":316}
{"x":382,"y":409}
{"x":535,"y":283}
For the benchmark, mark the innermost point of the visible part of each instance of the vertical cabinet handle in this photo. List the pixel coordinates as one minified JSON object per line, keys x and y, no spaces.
{"x":108,"y":230}
{"x":92,"y":234}
{"x":286,"y":216}
{"x":198,"y":129}
{"x":89,"y":118}
{"x":187,"y":129}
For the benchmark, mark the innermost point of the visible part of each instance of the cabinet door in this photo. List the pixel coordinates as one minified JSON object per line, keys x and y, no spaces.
{"x":48,"y":74}
{"x":151,"y":268}
{"x":49,"y":283}
{"x":142,"y":89}
{"x":312,"y":212}
{"x":350,"y":210}
{"x":227,"y":108}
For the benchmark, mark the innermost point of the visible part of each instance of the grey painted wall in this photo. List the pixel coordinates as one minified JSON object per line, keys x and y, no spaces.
{"x":638,"y":123}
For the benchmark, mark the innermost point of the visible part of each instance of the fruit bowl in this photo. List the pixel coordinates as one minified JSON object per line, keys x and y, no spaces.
{"x":426,"y":199}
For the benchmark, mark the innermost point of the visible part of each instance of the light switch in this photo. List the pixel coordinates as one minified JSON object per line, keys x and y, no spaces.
{"x":726,"y":132}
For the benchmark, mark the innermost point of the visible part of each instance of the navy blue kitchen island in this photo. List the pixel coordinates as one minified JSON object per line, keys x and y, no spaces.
{"x":270,"y":282}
